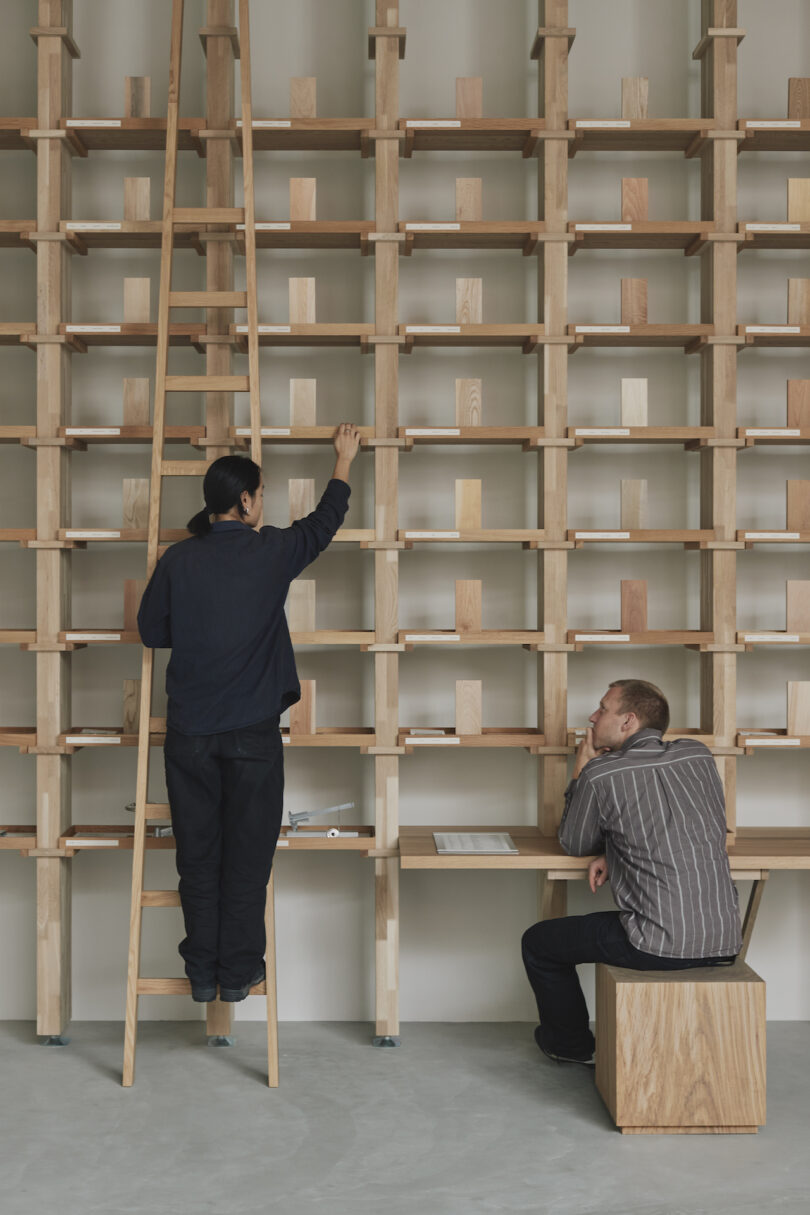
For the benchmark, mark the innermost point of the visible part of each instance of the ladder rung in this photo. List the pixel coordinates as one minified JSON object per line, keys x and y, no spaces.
{"x":207,"y":383}
{"x":184,"y":468}
{"x":208,"y":299}
{"x":160,"y":898}
{"x":158,"y":810}
{"x":180,"y":987}
{"x":208,"y":215}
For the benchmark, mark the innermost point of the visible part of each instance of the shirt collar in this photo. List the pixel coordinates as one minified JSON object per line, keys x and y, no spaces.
{"x":641,"y":735}
{"x":223,"y":525}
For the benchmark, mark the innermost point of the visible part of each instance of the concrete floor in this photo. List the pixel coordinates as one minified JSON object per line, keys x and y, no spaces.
{"x":461,"y":1120}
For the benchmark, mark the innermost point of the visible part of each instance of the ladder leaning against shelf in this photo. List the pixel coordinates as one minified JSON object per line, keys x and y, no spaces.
{"x":145,"y":810}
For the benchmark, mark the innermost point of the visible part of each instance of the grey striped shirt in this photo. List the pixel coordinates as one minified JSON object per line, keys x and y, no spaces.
{"x":656,"y":810}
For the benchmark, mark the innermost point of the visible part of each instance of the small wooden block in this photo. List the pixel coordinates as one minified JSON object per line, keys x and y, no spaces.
{"x":469,"y":301}
{"x":798,"y":506}
{"x":137,"y":96}
{"x":303,"y":97}
{"x":798,"y":200}
{"x":798,"y":97}
{"x":468,"y":706}
{"x":469,"y":199}
{"x":634,"y":505}
{"x":136,"y":502}
{"x":634,"y":301}
{"x":798,"y":301}
{"x":302,"y":498}
{"x":468,"y":506}
{"x":634,"y":606}
{"x":635,"y":92}
{"x":132,"y":705}
{"x":681,"y":1052}
{"x":137,"y":197}
{"x":133,"y":593}
{"x":634,"y":402}
{"x":635,"y":199}
{"x":797,"y":615}
{"x":302,"y":402}
{"x":302,"y":301}
{"x":468,"y":606}
{"x":301,"y":606}
{"x":302,"y":198}
{"x":468,"y":402}
{"x":302,"y":714}
{"x":469,"y":97}
{"x":136,"y":402}
{"x":798,"y":707}
{"x":136,"y":300}
{"x":798,"y":404}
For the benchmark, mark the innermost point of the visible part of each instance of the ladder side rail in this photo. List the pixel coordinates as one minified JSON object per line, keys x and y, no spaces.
{"x":147,"y":664}
{"x":250,"y":235}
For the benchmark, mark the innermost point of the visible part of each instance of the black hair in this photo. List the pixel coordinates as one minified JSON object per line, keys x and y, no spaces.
{"x":226,"y":480}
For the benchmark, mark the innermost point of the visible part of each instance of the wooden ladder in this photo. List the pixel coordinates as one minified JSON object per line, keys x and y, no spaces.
{"x":165,"y":383}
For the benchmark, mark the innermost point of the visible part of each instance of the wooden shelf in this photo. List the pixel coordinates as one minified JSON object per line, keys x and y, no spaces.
{"x":17,"y":636}
{"x":522,"y":235}
{"x":692,"y":437}
{"x":416,"y":638}
{"x":771,"y":740}
{"x":132,"y":134}
{"x":640,"y":335}
{"x":314,"y":435}
{"x":17,"y":535}
{"x":15,"y":434}
{"x":490,"y":736}
{"x":123,"y":535}
{"x":765,"y":536}
{"x":638,"y":134}
{"x":18,"y":838}
{"x":101,"y":838}
{"x":582,"y":638}
{"x":14,"y":233}
{"x":775,"y":335}
{"x":775,"y":134}
{"x":698,"y":538}
{"x":342,"y":334}
{"x":87,"y":234}
{"x":690,"y":236}
{"x":129,"y":334}
{"x":92,"y":435}
{"x":14,"y":134}
{"x":22,"y":737}
{"x":311,"y":135}
{"x":474,"y":135}
{"x":527,"y":337}
{"x":528,"y":437}
{"x":332,"y":637}
{"x":774,"y":235}
{"x":756,"y":436}
{"x":530,"y":537}
{"x":332,"y":736}
{"x":12,"y":333}
{"x":752,"y":638}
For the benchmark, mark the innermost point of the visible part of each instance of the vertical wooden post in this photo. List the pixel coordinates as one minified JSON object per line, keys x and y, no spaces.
{"x":219,"y":175}
{"x":219,"y":113}
{"x":553,"y":392}
{"x":386,"y":495}
{"x":719,"y":390}
{"x":53,"y":511}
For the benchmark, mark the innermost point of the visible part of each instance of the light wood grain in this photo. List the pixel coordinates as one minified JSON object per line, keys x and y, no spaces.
{"x":468,"y":606}
{"x":301,"y":606}
{"x":798,"y":506}
{"x":302,"y":402}
{"x":798,"y":403}
{"x":137,"y":96}
{"x":634,"y":301}
{"x":302,"y":714}
{"x":681,"y":1050}
{"x":302,"y":301}
{"x":469,"y":301}
{"x":137,"y":194}
{"x":635,"y":93}
{"x":635,"y":199}
{"x":798,"y":97}
{"x":634,"y":505}
{"x":798,"y":200}
{"x":132,"y":705}
{"x":302,"y":497}
{"x":798,"y":707}
{"x":469,"y":97}
{"x":469,"y":199}
{"x":136,"y":402}
{"x":634,"y":606}
{"x":468,"y":706}
{"x":797,"y":596}
{"x":135,"y":511}
{"x":303,"y":192}
{"x":468,"y":505}
{"x":468,"y":402}
{"x":136,"y":300}
{"x":798,"y":310}
{"x":303,"y":97}
{"x":634,"y":402}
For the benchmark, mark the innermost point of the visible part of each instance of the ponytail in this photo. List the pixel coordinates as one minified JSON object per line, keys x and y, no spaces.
{"x":200,"y":525}
{"x":225,"y":482}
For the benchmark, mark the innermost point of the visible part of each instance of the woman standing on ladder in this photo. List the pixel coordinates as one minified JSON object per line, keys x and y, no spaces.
{"x":217,"y":600}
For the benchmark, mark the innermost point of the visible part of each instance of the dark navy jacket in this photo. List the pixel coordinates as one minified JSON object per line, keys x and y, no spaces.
{"x":218,"y":602}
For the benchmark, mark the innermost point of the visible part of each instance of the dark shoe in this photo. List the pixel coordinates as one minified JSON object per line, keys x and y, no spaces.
{"x":585,"y":1060}
{"x":232,"y":995}
{"x":203,"y":993}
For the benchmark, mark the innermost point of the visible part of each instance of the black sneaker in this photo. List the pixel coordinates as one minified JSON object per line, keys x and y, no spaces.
{"x":584,"y":1060}
{"x":232,"y":995}
{"x":203,"y":993}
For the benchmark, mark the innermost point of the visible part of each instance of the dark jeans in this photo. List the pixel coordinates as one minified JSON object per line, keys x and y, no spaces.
{"x":226,"y":793}
{"x":553,"y":949}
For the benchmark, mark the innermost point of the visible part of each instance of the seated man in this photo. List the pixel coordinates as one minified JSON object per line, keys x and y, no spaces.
{"x":656,"y":810}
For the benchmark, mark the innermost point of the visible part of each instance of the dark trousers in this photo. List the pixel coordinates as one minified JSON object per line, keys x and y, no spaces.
{"x":226,"y":793}
{"x":553,"y":949}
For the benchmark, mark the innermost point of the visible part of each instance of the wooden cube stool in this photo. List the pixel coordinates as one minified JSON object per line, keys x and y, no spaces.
{"x":681,"y":1052}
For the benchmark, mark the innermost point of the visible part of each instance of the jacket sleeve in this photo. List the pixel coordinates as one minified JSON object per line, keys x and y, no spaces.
{"x":154,"y":613}
{"x":581,"y":831}
{"x":307,"y":537}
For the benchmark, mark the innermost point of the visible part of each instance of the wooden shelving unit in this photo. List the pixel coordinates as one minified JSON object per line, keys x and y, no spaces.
{"x":717,"y":338}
